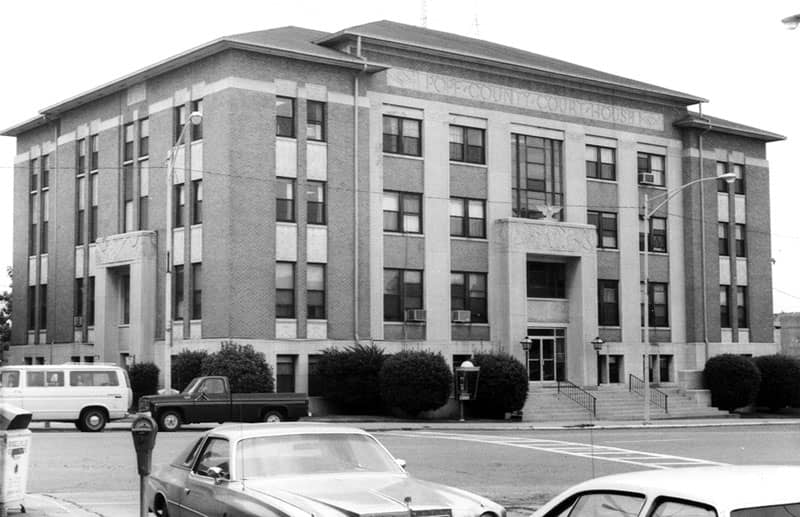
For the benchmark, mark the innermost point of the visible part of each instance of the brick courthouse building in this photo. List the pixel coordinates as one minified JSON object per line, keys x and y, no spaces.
{"x":388,"y":184}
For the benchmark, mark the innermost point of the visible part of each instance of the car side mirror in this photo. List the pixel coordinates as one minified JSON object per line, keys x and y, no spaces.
{"x":401,"y":463}
{"x":217,"y":474}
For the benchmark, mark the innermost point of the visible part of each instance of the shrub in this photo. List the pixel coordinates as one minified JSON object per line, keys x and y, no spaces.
{"x":415,"y":381}
{"x":144,"y":380}
{"x":502,"y":384}
{"x":733,"y":381}
{"x":246,"y":369}
{"x":349,"y":377}
{"x":187,"y":365}
{"x":780,"y":381}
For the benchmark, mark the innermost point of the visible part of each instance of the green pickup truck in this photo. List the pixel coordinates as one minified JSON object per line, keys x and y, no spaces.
{"x":209,"y":399}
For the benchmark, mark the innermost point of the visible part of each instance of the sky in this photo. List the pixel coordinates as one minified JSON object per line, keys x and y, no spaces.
{"x":735,"y":53}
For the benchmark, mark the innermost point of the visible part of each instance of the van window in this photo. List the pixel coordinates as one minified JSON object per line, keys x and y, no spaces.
{"x":35,"y":379}
{"x":93,"y":378}
{"x":9,"y":379}
{"x":54,"y":378}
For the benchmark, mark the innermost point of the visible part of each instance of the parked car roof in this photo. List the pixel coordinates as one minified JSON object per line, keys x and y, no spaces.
{"x":235,"y":430}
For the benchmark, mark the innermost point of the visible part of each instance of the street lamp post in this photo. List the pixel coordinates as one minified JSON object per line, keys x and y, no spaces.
{"x":526,"y":347}
{"x":195,"y":118}
{"x":598,"y":343}
{"x":730,"y":177}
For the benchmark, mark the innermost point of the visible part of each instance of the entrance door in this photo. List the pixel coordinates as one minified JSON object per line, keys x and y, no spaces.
{"x":546,"y":357}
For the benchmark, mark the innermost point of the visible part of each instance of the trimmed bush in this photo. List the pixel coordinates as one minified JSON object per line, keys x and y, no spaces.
{"x":502,"y":385}
{"x":350,"y":378}
{"x":144,"y":380}
{"x":246,"y":369}
{"x":780,"y":381}
{"x":187,"y":365}
{"x":415,"y":381}
{"x":733,"y":381}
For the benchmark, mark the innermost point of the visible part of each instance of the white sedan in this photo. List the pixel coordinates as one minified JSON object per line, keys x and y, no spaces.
{"x":735,"y":491}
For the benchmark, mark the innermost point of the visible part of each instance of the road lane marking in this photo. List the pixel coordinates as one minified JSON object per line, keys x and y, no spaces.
{"x":577,"y":449}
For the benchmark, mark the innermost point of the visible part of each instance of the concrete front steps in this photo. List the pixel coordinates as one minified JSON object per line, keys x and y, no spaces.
{"x":614,"y":402}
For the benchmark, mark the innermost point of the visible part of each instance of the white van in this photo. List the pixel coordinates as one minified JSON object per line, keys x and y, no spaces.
{"x":88,"y":394}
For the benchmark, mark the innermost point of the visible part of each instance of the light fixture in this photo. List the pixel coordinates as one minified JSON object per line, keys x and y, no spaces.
{"x":791,"y":22}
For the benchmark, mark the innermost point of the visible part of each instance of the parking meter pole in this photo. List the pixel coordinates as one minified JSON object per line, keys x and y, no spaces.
{"x":142,"y":498}
{"x":462,"y":412}
{"x":143,"y":432}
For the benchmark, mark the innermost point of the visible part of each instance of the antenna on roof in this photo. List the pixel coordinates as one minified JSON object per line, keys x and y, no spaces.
{"x":477,"y":26}
{"x":424,"y":13}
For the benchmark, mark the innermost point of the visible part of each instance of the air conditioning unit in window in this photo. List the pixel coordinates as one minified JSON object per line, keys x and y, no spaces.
{"x":647,"y":178}
{"x":460,"y":316}
{"x":77,"y":321}
{"x":415,"y":315}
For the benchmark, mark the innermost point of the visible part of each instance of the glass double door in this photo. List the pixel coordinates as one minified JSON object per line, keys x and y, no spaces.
{"x":546,"y":356}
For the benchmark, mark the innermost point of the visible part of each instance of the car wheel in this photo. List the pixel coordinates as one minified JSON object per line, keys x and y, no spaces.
{"x":273,"y":417}
{"x":92,"y":420}
{"x":169,"y":420}
{"x":160,"y":509}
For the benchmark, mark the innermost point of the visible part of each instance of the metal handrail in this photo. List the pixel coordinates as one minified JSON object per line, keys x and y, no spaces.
{"x":657,"y":397}
{"x":579,"y":395}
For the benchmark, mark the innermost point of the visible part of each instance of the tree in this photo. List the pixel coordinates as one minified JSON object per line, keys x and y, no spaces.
{"x":246,"y":369}
{"x":187,"y":365}
{"x":5,"y":317}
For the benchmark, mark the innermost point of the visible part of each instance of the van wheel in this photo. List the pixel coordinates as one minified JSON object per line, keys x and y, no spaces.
{"x":92,"y":420}
{"x":273,"y":417}
{"x":169,"y":420}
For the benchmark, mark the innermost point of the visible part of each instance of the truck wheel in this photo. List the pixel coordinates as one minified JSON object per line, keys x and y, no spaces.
{"x":92,"y":420}
{"x":273,"y":416}
{"x":169,"y":420}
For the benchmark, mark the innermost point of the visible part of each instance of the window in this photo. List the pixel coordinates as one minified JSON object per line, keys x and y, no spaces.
{"x":177,"y":292}
{"x":33,"y":223}
{"x":315,"y":202}
{"x":402,"y":291}
{"x":93,"y":196}
{"x":467,"y":217}
{"x":125,"y":299}
{"x":606,"y":224}
{"x":94,"y":154}
{"x":284,"y":290}
{"x":666,"y":508}
{"x":45,"y":218}
{"x":738,"y":184}
{"x":197,"y":291}
{"x":45,"y":179}
{"x":724,"y":306}
{"x":546,"y":280}
{"x":723,"y":234}
{"x":284,"y":374}
{"x":33,"y":175}
{"x":599,"y":503}
{"x":32,"y":307}
{"x":144,"y":137}
{"x":197,"y":202}
{"x":127,"y":149}
{"x":402,"y":136}
{"x":601,"y":162}
{"x":722,"y":185}
{"x":741,"y":307}
{"x":402,"y":212}
{"x":284,"y":108}
{"x":214,"y":454}
{"x":608,"y":302}
{"x":658,"y":235}
{"x":90,"y":303}
{"x":315,"y":291}
{"x":144,"y":192}
{"x":80,"y":215}
{"x":127,"y":197}
{"x":179,"y":121}
{"x":42,"y":306}
{"x":284,"y":192}
{"x":78,"y":298}
{"x":651,"y":169}
{"x":80,"y":157}
{"x":315,"y":121}
{"x":197,"y":130}
{"x":468,"y":293}
{"x":467,"y":145}
{"x":659,"y":307}
{"x":178,"y":205}
{"x":535,"y":177}
{"x":741,"y":244}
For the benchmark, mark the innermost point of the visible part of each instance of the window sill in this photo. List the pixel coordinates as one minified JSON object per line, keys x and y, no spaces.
{"x":398,"y":323}
{"x":657,"y":253}
{"x":123,"y":325}
{"x":648,"y":185}
{"x":470,"y":323}
{"x":406,"y":234}
{"x":609,"y":327}
{"x":612,"y":250}
{"x":286,"y":320}
{"x":286,"y":223}
{"x":601,"y":180}
{"x":534,"y":299}
{"x":468,"y":239}
{"x":469,"y":164}
{"x":286,"y":138}
{"x":313,"y":141}
{"x":317,"y":225}
{"x":406,"y":156}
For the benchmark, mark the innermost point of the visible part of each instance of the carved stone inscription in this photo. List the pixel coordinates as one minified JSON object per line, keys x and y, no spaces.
{"x":545,"y":238}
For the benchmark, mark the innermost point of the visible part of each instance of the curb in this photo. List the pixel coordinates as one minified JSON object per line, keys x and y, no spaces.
{"x":37,"y":505}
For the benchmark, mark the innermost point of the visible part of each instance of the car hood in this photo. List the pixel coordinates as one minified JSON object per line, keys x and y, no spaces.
{"x":371,"y":495}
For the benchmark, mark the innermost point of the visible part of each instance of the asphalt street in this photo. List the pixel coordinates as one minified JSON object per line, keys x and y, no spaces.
{"x":518,"y":468}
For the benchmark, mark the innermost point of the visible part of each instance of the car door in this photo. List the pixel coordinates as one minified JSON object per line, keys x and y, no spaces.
{"x":10,"y":390}
{"x":200,"y":495}
{"x":210,"y":402}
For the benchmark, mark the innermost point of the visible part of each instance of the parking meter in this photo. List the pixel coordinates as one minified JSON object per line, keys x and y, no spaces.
{"x":143,"y":431}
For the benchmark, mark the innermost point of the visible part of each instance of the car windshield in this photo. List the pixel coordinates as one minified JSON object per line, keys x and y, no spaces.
{"x":303,"y":454}
{"x":192,"y":384}
{"x":778,"y":510}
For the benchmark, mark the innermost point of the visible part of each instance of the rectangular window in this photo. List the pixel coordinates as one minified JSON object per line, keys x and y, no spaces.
{"x":658,"y":235}
{"x":284,"y":290}
{"x":536,"y":178}
{"x":94,"y":153}
{"x":606,"y":224}
{"x":178,"y":205}
{"x":197,"y":291}
{"x":741,"y":307}
{"x":601,"y":162}
{"x":197,"y":130}
{"x":402,"y":136}
{"x":45,"y":179}
{"x":93,"y":197}
{"x":741,"y":243}
{"x":80,"y":212}
{"x":402,"y":291}
{"x":42,"y":306}
{"x":467,"y":217}
{"x":197,"y":202}
{"x":34,"y":212}
{"x":738,"y":184}
{"x":179,"y":114}
{"x":722,"y":185}
{"x":284,"y":374}
{"x":659,"y":306}
{"x":144,"y":137}
{"x":90,"y":303}
{"x":402,"y":212}
{"x":33,"y":175}
{"x":546,"y":279}
{"x":127,"y":198}
{"x":125,"y":299}
{"x":608,"y":302}
{"x":315,"y":202}
{"x":144,"y":192}
{"x":467,"y":145}
{"x":651,"y":169}
{"x":78,"y":298}
{"x":127,"y":149}
{"x":315,"y":121}
{"x":45,"y":217}
{"x":468,"y":293}
{"x":315,"y":291}
{"x":80,"y":157}
{"x":32,"y":307}
{"x":724,"y":306}
{"x":723,"y":234}
{"x":177,"y":292}
{"x":284,"y":108}
{"x":284,"y":200}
